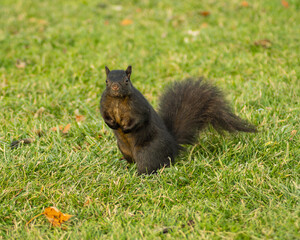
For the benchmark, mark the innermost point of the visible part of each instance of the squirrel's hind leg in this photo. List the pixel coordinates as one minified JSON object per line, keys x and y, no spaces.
{"x":153,"y":157}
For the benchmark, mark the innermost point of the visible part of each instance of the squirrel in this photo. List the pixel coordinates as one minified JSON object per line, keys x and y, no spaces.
{"x":153,"y":139}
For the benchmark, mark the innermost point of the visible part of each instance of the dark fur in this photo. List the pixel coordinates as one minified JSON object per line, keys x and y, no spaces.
{"x":188,"y":107}
{"x":153,"y":141}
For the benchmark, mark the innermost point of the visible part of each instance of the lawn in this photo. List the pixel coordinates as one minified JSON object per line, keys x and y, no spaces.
{"x":228,"y":186}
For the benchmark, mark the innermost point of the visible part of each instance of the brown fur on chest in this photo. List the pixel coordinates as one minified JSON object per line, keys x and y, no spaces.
{"x":120,"y":109}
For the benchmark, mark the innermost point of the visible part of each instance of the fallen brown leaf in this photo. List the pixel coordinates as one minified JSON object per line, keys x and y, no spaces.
{"x":20,"y":64}
{"x":87,"y":202}
{"x":177,"y":21}
{"x":190,"y":223}
{"x":293,"y":133}
{"x":20,"y":190}
{"x":79,"y":118}
{"x":266,"y":43}
{"x":285,"y":3}
{"x":17,"y":143}
{"x":126,"y":22}
{"x":60,"y":127}
{"x":67,"y":128}
{"x":54,"y":216}
{"x":245,"y":4}
{"x":38,"y":21}
{"x":204,"y":25}
{"x":205,"y":13}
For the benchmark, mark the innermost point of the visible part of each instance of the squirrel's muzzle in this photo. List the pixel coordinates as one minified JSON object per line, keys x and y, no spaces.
{"x":115,"y":87}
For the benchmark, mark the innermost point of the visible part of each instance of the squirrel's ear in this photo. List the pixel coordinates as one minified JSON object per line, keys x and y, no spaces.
{"x":107,"y":70}
{"x":128,"y":71}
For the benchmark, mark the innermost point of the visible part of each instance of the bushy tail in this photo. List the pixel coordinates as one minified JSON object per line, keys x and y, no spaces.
{"x":189,"y":106}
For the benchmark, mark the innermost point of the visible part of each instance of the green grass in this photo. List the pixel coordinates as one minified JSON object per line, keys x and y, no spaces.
{"x":243,"y":186}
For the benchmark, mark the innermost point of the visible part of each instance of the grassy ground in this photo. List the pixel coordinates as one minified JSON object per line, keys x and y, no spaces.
{"x":52,"y":58}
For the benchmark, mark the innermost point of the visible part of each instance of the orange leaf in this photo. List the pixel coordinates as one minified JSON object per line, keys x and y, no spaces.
{"x":265,"y":43}
{"x":204,"y":25}
{"x":55,"y":216}
{"x":205,"y":13}
{"x":87,"y":202}
{"x":126,"y":22}
{"x":285,"y":3}
{"x":293,"y":133}
{"x":80,"y":118}
{"x":55,"y":128}
{"x":67,"y":128}
{"x":245,"y":4}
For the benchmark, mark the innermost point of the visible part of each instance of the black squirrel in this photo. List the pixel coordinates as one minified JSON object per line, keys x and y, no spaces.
{"x":152,"y":140}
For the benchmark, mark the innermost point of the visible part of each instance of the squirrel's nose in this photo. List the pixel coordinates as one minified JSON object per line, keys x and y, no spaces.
{"x":115,"y":87}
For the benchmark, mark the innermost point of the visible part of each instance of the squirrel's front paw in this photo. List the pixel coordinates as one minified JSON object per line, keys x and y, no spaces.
{"x":112,"y":124}
{"x":126,"y":130}
{"x":129,"y":126}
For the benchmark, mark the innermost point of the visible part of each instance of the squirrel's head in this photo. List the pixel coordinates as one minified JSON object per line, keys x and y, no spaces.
{"x":118,"y":82}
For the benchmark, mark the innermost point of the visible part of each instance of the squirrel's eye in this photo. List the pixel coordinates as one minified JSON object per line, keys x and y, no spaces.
{"x":126,"y":80}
